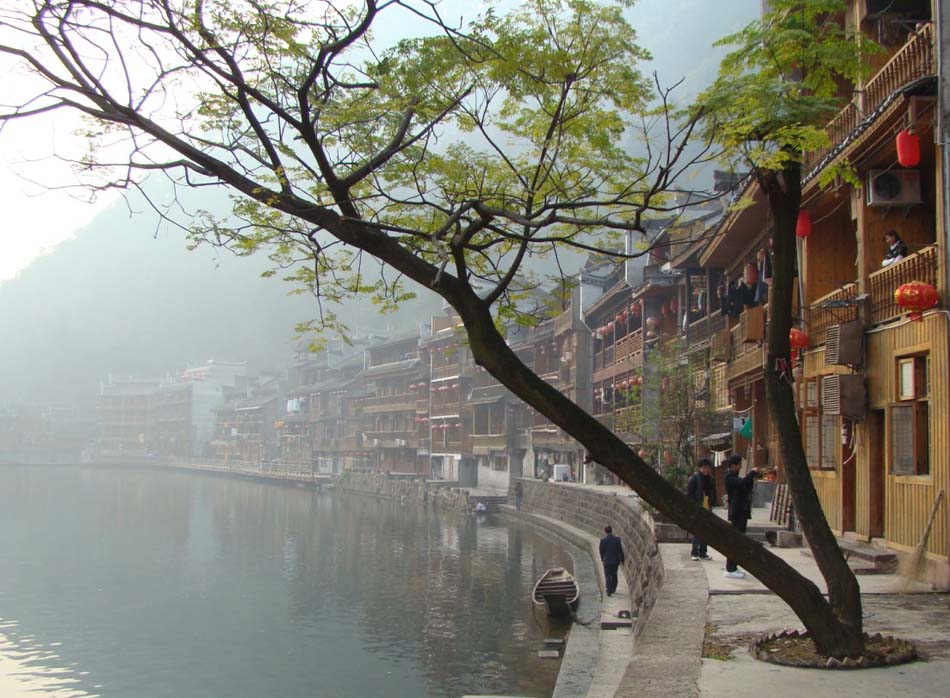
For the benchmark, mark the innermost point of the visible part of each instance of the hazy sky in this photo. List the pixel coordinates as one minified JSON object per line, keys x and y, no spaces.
{"x":36,"y":218}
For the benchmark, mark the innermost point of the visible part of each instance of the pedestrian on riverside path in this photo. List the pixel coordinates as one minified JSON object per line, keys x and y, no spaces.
{"x":611,"y":554}
{"x":519,"y":495}
{"x":739,"y":490}
{"x":701,"y":488}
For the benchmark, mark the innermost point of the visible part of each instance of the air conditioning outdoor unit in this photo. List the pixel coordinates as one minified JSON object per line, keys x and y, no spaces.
{"x":845,"y":395}
{"x":752,"y":324}
{"x":844,"y":344}
{"x":893,"y":187}
{"x":720,"y":344}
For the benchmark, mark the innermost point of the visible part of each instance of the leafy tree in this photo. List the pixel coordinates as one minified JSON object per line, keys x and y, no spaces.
{"x":774,"y":94}
{"x":451,"y":161}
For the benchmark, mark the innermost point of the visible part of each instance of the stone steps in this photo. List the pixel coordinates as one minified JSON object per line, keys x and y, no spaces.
{"x":864,"y":558}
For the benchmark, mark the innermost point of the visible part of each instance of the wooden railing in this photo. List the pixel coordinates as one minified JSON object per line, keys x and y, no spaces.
{"x":915,"y":59}
{"x":629,"y":419}
{"x":629,"y":346}
{"x":818,"y":319}
{"x":920,"y":266}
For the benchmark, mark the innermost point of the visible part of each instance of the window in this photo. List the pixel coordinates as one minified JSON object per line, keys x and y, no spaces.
{"x":821,"y":432}
{"x":909,"y":418}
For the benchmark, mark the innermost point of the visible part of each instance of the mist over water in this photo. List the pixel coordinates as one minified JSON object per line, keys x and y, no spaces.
{"x":123,"y":582}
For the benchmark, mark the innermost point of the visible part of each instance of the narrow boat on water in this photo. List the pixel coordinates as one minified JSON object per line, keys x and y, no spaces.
{"x":557,"y":592}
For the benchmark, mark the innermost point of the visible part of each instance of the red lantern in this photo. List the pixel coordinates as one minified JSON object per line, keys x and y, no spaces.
{"x":751,"y":275}
{"x":908,"y":149}
{"x":673,"y":304}
{"x":916,"y":297}
{"x":635,"y":309}
{"x":803,"y":226}
{"x":643,"y":454}
{"x":619,"y":317}
{"x":610,"y":326}
{"x":797,"y":339}
{"x":663,"y":310}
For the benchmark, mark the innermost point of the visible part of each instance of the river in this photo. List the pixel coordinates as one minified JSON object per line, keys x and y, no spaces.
{"x":143,"y":583}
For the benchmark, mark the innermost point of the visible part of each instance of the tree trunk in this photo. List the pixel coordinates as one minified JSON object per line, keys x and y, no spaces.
{"x":845,"y":638}
{"x":806,"y":600}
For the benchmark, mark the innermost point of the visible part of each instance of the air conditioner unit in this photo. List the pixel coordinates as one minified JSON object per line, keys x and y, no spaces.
{"x":844,"y":344}
{"x":845,"y":395}
{"x":752,"y":324}
{"x":719,"y":345}
{"x":893,"y":187}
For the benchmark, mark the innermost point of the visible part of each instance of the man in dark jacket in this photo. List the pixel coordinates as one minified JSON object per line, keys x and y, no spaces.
{"x":701,"y":488}
{"x":611,"y":554}
{"x":739,"y":491}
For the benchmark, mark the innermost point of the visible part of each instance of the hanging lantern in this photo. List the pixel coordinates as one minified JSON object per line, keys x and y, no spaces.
{"x":908,"y":149}
{"x":916,"y":297}
{"x":673,"y":305}
{"x":635,"y":309}
{"x":651,"y":334}
{"x":652,"y":322}
{"x":619,"y":317}
{"x":643,"y":454}
{"x":797,"y":339}
{"x":803,"y":226}
{"x":750,"y":275}
{"x":610,"y":326}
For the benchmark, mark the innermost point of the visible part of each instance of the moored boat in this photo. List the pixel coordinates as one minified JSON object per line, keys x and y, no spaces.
{"x":556,"y":591}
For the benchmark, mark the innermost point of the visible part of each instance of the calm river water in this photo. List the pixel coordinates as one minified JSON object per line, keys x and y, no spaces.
{"x":136,"y":583}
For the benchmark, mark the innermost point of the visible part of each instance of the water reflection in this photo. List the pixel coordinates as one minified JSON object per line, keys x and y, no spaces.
{"x":156,"y":583}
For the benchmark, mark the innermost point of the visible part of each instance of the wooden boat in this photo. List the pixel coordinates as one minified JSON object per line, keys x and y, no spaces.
{"x":556,"y":591}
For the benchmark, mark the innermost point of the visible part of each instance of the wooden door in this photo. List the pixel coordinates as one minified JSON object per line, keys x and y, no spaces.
{"x":848,"y":476}
{"x":877,"y":473}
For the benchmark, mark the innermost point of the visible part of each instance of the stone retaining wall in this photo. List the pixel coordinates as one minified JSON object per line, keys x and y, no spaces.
{"x":408,"y":489}
{"x":591,"y":511}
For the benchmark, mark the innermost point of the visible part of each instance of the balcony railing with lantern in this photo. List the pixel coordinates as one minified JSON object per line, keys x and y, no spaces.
{"x":914,"y":60}
{"x":840,"y":305}
{"x":920,"y":266}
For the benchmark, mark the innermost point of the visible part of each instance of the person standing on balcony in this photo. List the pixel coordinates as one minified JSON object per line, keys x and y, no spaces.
{"x":701,"y":488}
{"x":896,"y":248}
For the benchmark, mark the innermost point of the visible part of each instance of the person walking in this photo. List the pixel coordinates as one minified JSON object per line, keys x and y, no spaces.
{"x":611,"y":554}
{"x":701,"y":488}
{"x":739,"y":491}
{"x":519,"y":495}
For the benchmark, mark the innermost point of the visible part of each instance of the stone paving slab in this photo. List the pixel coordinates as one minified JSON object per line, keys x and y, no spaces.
{"x":805,"y":564}
{"x":666,"y":656}
{"x":922,"y":618}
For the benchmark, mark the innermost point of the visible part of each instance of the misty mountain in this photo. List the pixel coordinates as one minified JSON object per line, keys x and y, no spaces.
{"x":119,"y":298}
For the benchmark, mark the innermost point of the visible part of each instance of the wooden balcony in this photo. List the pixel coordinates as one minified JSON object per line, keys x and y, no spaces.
{"x":447,"y":371}
{"x":482,"y":444}
{"x":818,"y":318}
{"x":629,"y":419}
{"x":920,"y":266}
{"x":832,"y":309}
{"x":915,"y":59}
{"x":404,"y":402}
{"x":746,"y":357}
{"x":629,"y":349}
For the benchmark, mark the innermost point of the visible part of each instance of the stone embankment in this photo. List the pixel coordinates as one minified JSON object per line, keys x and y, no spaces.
{"x":406,"y":488}
{"x":590,"y":511}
